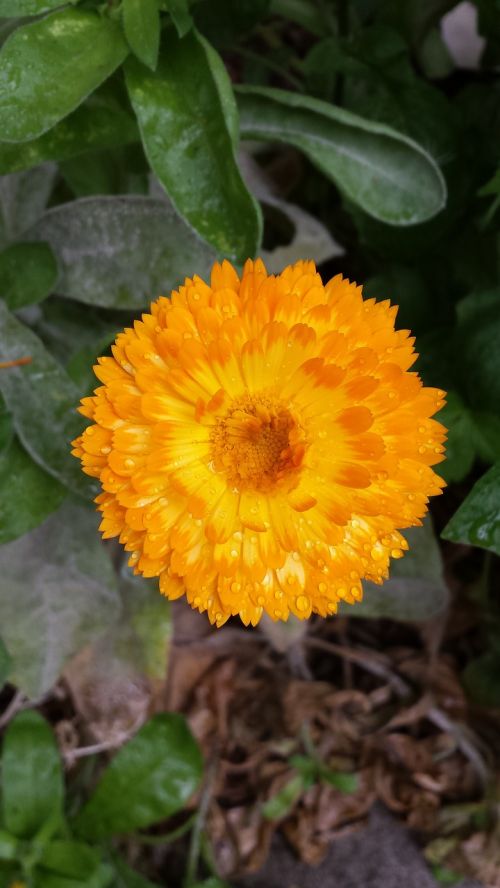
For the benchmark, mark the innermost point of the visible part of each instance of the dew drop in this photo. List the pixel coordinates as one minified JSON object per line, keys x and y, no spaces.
{"x":302,"y":603}
{"x":396,"y":553}
{"x":322,"y":587}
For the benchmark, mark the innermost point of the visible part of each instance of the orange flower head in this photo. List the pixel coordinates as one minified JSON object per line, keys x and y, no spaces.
{"x":261,"y":441}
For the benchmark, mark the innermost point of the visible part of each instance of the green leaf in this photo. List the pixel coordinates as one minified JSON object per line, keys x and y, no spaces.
{"x":179,"y":12}
{"x":121,"y":252}
{"x":477,"y":343}
{"x":28,"y":273}
{"x":279,"y":805}
{"x":29,"y":494}
{"x":460,"y":449}
{"x":187,"y":124}
{"x":142,"y":637}
{"x":6,"y":427}
{"x":477,"y":521}
{"x":74,"y":51}
{"x":486,"y":433}
{"x":9,"y":847}
{"x":5,"y":665}
{"x":481,"y":678}
{"x":42,"y":400}
{"x":14,"y":8}
{"x":58,"y":594}
{"x":141,"y":22}
{"x":98,"y":123}
{"x":156,"y":772}
{"x":69,"y":858}
{"x":415,"y":590}
{"x":391,"y":177}
{"x":102,"y":877}
{"x":345,"y":783}
{"x":32,"y":780}
{"x":23,"y":198}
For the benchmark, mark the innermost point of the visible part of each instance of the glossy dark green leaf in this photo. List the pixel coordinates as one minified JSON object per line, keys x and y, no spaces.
{"x":58,"y":594}
{"x":477,"y":521}
{"x":141,"y":22}
{"x":98,"y":123}
{"x":156,"y":772}
{"x":187,"y":132}
{"x":481,"y":678}
{"x":32,"y":780}
{"x":29,"y":494}
{"x":42,"y":400}
{"x":386,"y":173}
{"x":415,"y":590}
{"x":49,"y":67}
{"x":28,"y":273}
{"x":15,"y":8}
{"x":121,"y":252}
{"x":181,"y":17}
{"x":5,"y":663}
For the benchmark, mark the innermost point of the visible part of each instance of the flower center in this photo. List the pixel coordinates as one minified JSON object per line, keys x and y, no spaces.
{"x":258,"y":443}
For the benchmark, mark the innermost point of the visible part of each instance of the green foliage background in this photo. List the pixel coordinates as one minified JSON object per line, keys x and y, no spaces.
{"x":136,"y":143}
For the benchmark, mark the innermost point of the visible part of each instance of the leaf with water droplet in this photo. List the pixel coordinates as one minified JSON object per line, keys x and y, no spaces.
{"x":99,"y":123}
{"x":49,"y":67}
{"x":187,"y":116}
{"x":477,"y":521}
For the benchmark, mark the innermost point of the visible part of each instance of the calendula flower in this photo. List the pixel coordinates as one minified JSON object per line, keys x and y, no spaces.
{"x":261,"y":441}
